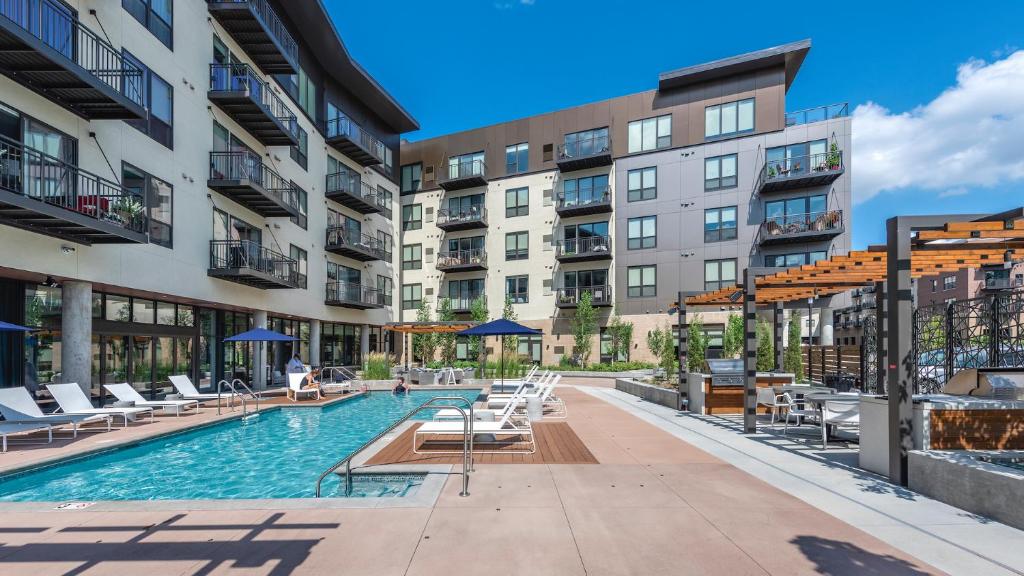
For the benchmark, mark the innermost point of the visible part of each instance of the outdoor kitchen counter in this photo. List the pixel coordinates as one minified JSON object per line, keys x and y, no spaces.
{"x":706,"y":397}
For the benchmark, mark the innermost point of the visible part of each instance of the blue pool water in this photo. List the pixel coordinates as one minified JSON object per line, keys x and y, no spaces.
{"x":280,"y":454}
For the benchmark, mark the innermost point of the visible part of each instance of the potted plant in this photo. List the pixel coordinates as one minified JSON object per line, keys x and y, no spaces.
{"x":771,"y":172}
{"x":128,"y":211}
{"x":834,"y":158}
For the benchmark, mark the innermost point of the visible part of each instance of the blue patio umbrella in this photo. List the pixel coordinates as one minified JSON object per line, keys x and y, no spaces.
{"x":8,"y":327}
{"x":260,"y":335}
{"x":500,"y":327}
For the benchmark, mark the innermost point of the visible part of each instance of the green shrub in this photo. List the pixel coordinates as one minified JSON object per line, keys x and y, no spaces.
{"x":377,"y":366}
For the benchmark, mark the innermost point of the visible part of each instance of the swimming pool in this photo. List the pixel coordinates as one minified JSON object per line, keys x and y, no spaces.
{"x":280,"y":454}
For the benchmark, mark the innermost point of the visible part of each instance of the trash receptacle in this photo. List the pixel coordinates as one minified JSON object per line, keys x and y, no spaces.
{"x":534,"y":409}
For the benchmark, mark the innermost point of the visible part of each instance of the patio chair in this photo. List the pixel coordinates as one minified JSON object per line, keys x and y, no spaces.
{"x":295,"y":388}
{"x":794,"y":409}
{"x":841,"y":414}
{"x":773,"y":402}
{"x":183,"y":384}
{"x":17,"y":406}
{"x":508,"y":426}
{"x":125,"y":392}
{"x":7,"y":428}
{"x":72,"y":400}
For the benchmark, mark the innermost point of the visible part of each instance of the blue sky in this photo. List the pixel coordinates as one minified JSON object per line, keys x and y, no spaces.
{"x":938,"y":87}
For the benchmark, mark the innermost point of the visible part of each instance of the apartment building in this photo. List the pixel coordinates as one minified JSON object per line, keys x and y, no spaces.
{"x":173,"y":173}
{"x":630,"y":200}
{"x":969,"y":283}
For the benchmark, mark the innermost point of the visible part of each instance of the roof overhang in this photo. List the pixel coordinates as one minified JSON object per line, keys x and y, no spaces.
{"x":791,"y":56}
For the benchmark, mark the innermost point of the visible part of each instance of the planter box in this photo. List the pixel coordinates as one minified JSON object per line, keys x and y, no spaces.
{"x":656,"y":394}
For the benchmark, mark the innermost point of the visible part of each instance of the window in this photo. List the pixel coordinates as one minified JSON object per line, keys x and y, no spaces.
{"x":642,"y":184}
{"x":344,"y":274}
{"x":469,"y":207}
{"x":720,"y":224}
{"x":160,"y":196}
{"x":462,"y":293}
{"x":794,"y":259}
{"x":387,"y":199}
{"x":606,"y":349}
{"x":949,"y":283}
{"x":643,"y":232}
{"x":719,"y":274}
{"x":583,"y":191}
{"x":530,"y":346}
{"x":470,"y":245}
{"x":796,"y":159}
{"x":412,"y":217}
{"x":640,"y":281}
{"x":412,"y":257}
{"x":158,"y":98}
{"x":302,"y":90}
{"x":155,"y":15}
{"x":650,"y":134}
{"x":582,"y":238}
{"x":300,"y":153}
{"x":517,"y":158}
{"x":466,"y":165}
{"x":585,"y":143}
{"x":586,"y":281}
{"x":385,"y":285}
{"x":795,"y":213}
{"x":412,"y":296}
{"x":412,"y":177}
{"x":720,"y":172}
{"x":517,"y":246}
{"x":517,"y":202}
{"x":935,"y":285}
{"x":301,"y":258}
{"x":302,"y":199}
{"x":728,"y":119}
{"x":517,"y":289}
{"x":386,"y":243}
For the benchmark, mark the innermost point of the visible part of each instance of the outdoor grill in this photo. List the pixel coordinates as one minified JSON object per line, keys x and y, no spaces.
{"x":725,"y":372}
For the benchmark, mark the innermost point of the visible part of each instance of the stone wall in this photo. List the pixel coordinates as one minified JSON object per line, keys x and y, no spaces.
{"x":655,"y":394}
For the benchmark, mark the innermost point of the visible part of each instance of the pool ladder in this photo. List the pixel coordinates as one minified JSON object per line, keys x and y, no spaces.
{"x":234,"y":392}
{"x":467,"y":443}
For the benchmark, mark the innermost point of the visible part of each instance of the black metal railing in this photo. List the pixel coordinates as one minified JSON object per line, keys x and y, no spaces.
{"x":32,"y":174}
{"x":53,"y":24}
{"x":273,"y":23}
{"x":250,"y":255}
{"x":824,"y":221}
{"x":585,"y":147}
{"x":463,"y":169}
{"x":352,"y":292}
{"x":474,"y":214}
{"x":599,"y":295}
{"x":822,"y":163}
{"x":463,"y":303}
{"x":354,"y":238}
{"x":453,"y":258}
{"x":817,"y":114}
{"x":343,"y":127}
{"x":242,"y":78}
{"x":351,"y":183}
{"x":587,"y":197}
{"x":246,"y":165}
{"x":583,"y":246}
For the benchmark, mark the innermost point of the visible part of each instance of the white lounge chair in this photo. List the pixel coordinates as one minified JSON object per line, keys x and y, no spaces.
{"x":507,"y":426}
{"x":126,"y":393}
{"x":8,"y":428}
{"x":17,"y":406}
{"x":188,"y":390}
{"x":517,"y":383}
{"x":841,"y":414}
{"x":72,"y":400}
{"x":454,"y":414}
{"x":295,"y":388}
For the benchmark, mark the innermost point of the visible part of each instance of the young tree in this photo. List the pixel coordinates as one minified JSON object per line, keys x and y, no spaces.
{"x":696,"y":344}
{"x":732,"y":339}
{"x":446,"y":340}
{"x":661,"y":342}
{"x":423,"y":345}
{"x":509,"y":313}
{"x":478,"y":312}
{"x":792,"y":359}
{"x":584,"y":323}
{"x":621,"y":338}
{"x":765,"y":347}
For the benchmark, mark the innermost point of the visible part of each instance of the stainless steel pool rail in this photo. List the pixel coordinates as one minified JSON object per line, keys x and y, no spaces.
{"x":234,"y":392}
{"x":333,"y":371}
{"x":467,"y":443}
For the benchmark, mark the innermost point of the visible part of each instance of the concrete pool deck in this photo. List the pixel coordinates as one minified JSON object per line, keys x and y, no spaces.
{"x":655,"y":504}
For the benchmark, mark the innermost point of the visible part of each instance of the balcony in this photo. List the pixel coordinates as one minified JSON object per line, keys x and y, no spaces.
{"x":584,"y":249}
{"x":354,"y":244}
{"x":462,"y":175}
{"x":585,"y":203}
{"x":260,"y":32}
{"x":795,"y":228}
{"x":357,"y":296}
{"x":464,"y":304}
{"x":471,"y":219}
{"x":351,"y":140}
{"x":239,"y":92}
{"x":600,"y":296}
{"x":43,"y":194}
{"x":462,"y":260}
{"x":348,"y":189}
{"x":817,"y":114}
{"x":248,"y":263}
{"x":800,"y":172}
{"x":996,"y":283}
{"x":241,"y":176}
{"x":46,"y":49}
{"x":582,"y":154}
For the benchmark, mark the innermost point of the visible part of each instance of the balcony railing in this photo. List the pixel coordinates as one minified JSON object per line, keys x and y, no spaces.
{"x":462,"y":174}
{"x":348,"y":189}
{"x":463,"y":304}
{"x":242,"y":174}
{"x":1002,"y":282}
{"x":241,"y":78}
{"x":466,"y":260}
{"x":798,"y":227}
{"x":570,"y":297}
{"x":475,"y":217}
{"x":55,"y":27}
{"x":263,"y":29}
{"x":587,"y":248}
{"x":583,"y":202}
{"x":817,"y":114}
{"x":248,"y":262}
{"x":800,"y":171}
{"x":354,"y":244}
{"x":352,"y":140}
{"x":585,"y":153}
{"x":352,"y":295}
{"x":96,"y":209}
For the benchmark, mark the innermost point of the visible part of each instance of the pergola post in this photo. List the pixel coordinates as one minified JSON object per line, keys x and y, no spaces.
{"x":777,"y":332}
{"x":881,"y":334}
{"x":750,"y":351}
{"x":900,"y":363}
{"x":684,"y":390}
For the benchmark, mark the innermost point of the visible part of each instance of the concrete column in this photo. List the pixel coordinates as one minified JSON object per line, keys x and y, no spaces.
{"x":825,"y":336}
{"x":364,"y":342}
{"x":76,"y":334}
{"x":259,"y":350}
{"x":314,"y":342}
{"x":750,"y":352}
{"x":901,"y":364}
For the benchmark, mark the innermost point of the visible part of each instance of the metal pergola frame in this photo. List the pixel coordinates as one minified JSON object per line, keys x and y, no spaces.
{"x":915,"y":246}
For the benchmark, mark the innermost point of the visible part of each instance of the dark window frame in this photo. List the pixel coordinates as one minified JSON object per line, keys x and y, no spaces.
{"x":517,"y":209}
{"x":418,"y":181}
{"x":519,"y":253}
{"x":150,"y":16}
{"x":642,"y":242}
{"x":721,"y":233}
{"x":412,"y":303}
{"x":148,"y":180}
{"x":519,"y":164}
{"x":642,"y":193}
{"x":156,"y":128}
{"x":412,"y":263}
{"x":411,"y":223}
{"x":721,"y":182}
{"x":521,"y":292}
{"x":720,"y":283}
{"x":642,"y":290}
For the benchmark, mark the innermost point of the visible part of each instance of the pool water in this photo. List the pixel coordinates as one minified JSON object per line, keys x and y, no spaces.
{"x":279,"y":454}
{"x":380,"y":486}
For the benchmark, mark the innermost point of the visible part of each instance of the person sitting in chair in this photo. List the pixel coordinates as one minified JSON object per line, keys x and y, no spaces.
{"x":312,"y":381}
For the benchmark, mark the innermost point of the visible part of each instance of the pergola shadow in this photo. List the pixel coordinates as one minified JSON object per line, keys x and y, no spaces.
{"x":838,"y":557}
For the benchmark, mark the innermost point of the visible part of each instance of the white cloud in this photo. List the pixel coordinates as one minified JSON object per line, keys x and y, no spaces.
{"x":971,"y":135}
{"x":512,"y":4}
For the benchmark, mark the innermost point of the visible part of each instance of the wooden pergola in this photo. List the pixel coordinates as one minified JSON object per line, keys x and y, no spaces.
{"x":439,"y":327}
{"x":916,"y":246}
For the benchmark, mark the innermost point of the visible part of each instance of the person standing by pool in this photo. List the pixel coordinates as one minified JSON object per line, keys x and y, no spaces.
{"x":400,"y":387}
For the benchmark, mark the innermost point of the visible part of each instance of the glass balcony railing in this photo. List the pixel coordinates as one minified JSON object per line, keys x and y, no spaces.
{"x":817,"y":114}
{"x":570,"y":297}
{"x":588,"y":246}
{"x":791,"y":224}
{"x":584,"y":147}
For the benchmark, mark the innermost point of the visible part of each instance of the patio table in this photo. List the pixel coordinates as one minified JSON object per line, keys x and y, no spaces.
{"x":819,"y":399}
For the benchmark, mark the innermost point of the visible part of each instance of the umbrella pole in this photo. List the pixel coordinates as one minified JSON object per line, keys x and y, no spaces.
{"x":502,"y":362}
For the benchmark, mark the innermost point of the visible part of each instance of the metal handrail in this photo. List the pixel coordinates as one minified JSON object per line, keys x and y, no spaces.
{"x":352,"y":292}
{"x":467,"y":444}
{"x":584,"y":147}
{"x":273,"y":23}
{"x":342,"y":235}
{"x":463,"y":169}
{"x":585,"y":197}
{"x":247,"y":165}
{"x":343,"y":126}
{"x":329,"y":371}
{"x":820,"y":221}
{"x":584,"y":245}
{"x":461,"y":257}
{"x":230,"y":254}
{"x":600,"y":294}
{"x":240,"y":77}
{"x":234,"y":392}
{"x":471,"y":214}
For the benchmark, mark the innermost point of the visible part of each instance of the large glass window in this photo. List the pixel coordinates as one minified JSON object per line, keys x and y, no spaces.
{"x":580,"y":237}
{"x":517,"y":289}
{"x":797,"y":159}
{"x":412,"y":217}
{"x":530,"y":347}
{"x":642,"y":184}
{"x":584,"y":279}
{"x":156,"y":15}
{"x":729,"y":119}
{"x":517,"y":202}
{"x":466,"y":165}
{"x":642,"y":232}
{"x":158,"y":97}
{"x":412,"y":177}
{"x":641,"y":281}
{"x":720,"y":224}
{"x":300,"y":153}
{"x":466,"y":206}
{"x":412,"y":257}
{"x":466,"y":244}
{"x":720,"y":172}
{"x":650,"y":134}
{"x":795,"y":213}
{"x":517,"y":246}
{"x":581,"y":191}
{"x":793,"y":259}
{"x":301,"y":258}
{"x":585,"y":143}
{"x":517,"y":158}
{"x":160,"y":196}
{"x":719,"y":274}
{"x":462,"y":293}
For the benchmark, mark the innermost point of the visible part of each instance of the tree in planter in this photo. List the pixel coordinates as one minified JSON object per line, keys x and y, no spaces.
{"x":477,"y":347}
{"x":833,"y":158}
{"x":446,"y":340}
{"x":696,"y":344}
{"x":732,"y":339}
{"x":620,"y":336}
{"x":423,"y":344}
{"x":661,"y":343}
{"x":584,"y":323}
{"x":792,"y":359}
{"x":765,"y":347}
{"x":509,"y":313}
